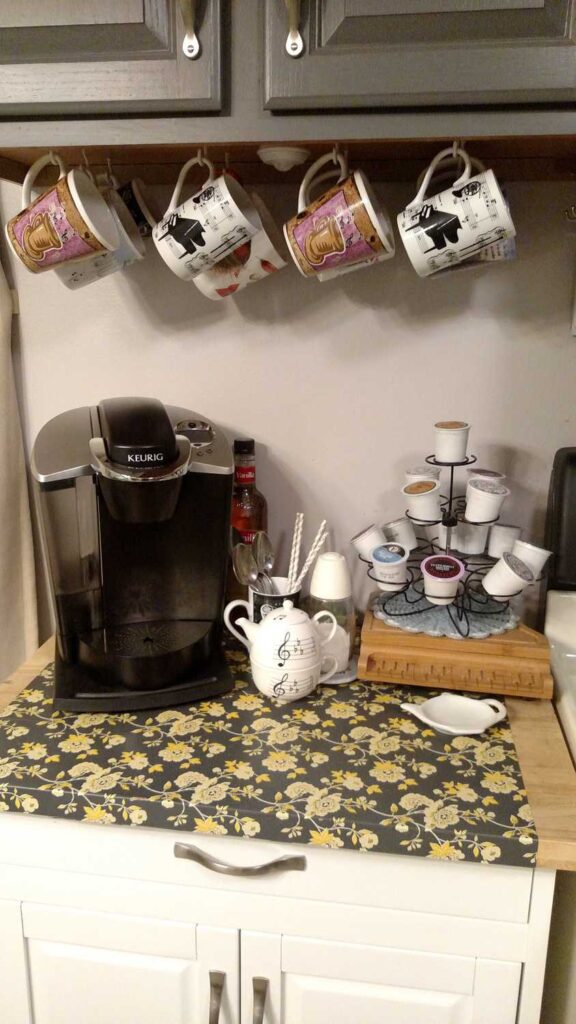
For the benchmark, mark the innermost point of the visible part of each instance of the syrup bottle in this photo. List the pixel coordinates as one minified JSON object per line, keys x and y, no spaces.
{"x":249,"y":506}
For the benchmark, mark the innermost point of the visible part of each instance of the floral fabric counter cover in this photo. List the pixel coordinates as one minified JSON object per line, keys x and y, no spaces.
{"x":344,"y":768}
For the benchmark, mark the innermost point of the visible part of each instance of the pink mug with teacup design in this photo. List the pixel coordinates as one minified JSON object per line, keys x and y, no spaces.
{"x":343,"y":227}
{"x":68,"y":222}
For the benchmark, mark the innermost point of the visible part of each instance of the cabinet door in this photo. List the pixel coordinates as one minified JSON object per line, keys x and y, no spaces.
{"x":106,"y":56}
{"x":98,"y":968}
{"x":394,"y":53}
{"x":14,"y":1006}
{"x":304,"y":981}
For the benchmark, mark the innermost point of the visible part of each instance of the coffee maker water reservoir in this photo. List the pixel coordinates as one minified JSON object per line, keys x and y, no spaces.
{"x":134,"y":502}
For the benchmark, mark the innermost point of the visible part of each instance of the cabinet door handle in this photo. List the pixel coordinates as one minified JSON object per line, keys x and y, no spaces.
{"x":190,"y":43}
{"x":259,"y":993}
{"x":294,"y":42}
{"x":188,"y":852}
{"x":217,"y":980}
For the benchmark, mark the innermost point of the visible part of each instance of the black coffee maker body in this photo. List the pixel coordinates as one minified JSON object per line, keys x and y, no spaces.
{"x":134,"y":502}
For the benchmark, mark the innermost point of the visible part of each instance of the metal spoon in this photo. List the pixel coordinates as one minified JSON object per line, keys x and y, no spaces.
{"x":264,"y":556}
{"x":244,"y":565}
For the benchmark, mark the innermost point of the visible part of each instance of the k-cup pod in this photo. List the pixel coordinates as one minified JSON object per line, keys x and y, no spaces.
{"x":441,"y":574}
{"x":508,"y":577}
{"x":453,"y":226}
{"x":451,"y":440}
{"x":390,"y":566}
{"x":485,"y":474}
{"x":533,"y":556}
{"x":68,"y":222}
{"x":484,"y":499}
{"x":503,"y":538}
{"x":423,"y":498}
{"x":368,"y":539}
{"x":425,"y":472}
{"x":471,"y":539}
{"x":402,"y":531}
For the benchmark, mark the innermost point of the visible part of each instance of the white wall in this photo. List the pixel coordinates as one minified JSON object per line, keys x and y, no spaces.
{"x":340,"y":383}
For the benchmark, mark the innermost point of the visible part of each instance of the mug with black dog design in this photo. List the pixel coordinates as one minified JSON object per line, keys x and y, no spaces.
{"x":456,"y":224}
{"x":196,"y":234}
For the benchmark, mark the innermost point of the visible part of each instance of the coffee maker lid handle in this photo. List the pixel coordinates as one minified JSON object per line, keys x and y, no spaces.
{"x":102,"y":464}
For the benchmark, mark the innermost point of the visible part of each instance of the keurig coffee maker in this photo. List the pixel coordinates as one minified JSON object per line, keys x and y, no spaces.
{"x":134,"y":502}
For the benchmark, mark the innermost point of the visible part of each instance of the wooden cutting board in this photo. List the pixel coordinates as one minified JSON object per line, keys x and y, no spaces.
{"x":516,"y":663}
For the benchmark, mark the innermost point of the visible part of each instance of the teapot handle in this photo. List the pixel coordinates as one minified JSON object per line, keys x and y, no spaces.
{"x":237,"y":604}
{"x":328,"y":615}
{"x":497,"y":706}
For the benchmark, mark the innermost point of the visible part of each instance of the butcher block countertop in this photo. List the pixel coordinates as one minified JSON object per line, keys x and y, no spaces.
{"x":344,"y":768}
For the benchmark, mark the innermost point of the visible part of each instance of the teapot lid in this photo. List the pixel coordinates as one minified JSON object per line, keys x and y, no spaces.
{"x":287,"y":613}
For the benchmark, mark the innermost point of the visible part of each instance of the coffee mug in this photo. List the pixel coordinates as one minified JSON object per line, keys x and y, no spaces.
{"x":140,"y":204}
{"x":456,"y":224}
{"x":130,"y":250}
{"x":252,"y":261}
{"x":68,"y":222}
{"x":344,"y":227}
{"x":196,"y":234}
{"x":259,"y":605}
{"x":500,"y":251}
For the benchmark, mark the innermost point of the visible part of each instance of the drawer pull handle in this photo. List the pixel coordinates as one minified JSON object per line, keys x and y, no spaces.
{"x":190,"y":43}
{"x":217,"y":979}
{"x":294,"y":42}
{"x":272,"y":867}
{"x":259,"y":992}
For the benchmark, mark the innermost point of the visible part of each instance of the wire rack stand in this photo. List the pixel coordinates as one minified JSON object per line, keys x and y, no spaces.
{"x":471,"y":600}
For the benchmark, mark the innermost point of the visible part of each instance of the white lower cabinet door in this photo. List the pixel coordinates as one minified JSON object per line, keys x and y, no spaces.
{"x":288,"y":980}
{"x":98,"y":968}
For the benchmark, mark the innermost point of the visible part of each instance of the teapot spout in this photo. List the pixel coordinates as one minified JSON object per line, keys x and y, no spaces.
{"x":250,"y":629}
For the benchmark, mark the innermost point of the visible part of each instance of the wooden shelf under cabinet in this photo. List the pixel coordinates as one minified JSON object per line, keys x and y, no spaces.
{"x":530,"y":158}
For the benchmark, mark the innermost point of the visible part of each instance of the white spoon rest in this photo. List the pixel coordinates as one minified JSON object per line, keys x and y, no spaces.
{"x":458,"y":716}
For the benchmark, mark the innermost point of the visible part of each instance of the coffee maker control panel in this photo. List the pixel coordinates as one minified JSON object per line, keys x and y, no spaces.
{"x":199,"y":433}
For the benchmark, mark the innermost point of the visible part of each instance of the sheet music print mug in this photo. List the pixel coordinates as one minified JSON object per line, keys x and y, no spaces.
{"x":286,"y":652}
{"x":344,"y":226}
{"x":196,"y":234}
{"x":457,"y":223}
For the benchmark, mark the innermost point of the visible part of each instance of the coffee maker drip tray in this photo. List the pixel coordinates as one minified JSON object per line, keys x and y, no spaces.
{"x":143,"y":665}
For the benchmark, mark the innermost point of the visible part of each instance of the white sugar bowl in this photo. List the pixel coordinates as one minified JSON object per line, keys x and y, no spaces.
{"x":286,"y":652}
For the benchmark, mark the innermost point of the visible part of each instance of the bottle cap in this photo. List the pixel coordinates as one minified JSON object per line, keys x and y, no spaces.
{"x":331,"y":579}
{"x":244,"y":446}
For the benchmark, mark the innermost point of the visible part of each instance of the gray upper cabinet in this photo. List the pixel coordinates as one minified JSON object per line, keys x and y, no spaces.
{"x":78,"y":57}
{"x":421,"y":53}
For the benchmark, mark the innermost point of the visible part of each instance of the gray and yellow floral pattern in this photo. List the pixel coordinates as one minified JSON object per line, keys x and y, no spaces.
{"x":344,"y":768}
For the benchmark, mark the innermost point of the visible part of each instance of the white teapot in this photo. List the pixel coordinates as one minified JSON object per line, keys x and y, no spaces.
{"x":286,"y":652}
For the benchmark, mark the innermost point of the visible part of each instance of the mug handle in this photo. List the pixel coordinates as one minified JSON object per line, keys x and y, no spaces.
{"x":450,"y":151}
{"x":174,"y":202}
{"x":327,"y":614}
{"x":33,"y":172}
{"x":233,"y":630}
{"x":451,"y":165}
{"x":496,"y":706}
{"x":324,"y":676}
{"x":336,"y":158}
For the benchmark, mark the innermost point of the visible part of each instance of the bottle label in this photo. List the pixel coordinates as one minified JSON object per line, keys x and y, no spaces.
{"x":245,"y":474}
{"x":247,"y":535}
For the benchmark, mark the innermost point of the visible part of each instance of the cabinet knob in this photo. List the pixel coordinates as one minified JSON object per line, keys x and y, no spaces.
{"x":294,"y":42}
{"x":190,"y":43}
{"x":217,"y":980}
{"x":187,"y":852}
{"x":259,"y":993}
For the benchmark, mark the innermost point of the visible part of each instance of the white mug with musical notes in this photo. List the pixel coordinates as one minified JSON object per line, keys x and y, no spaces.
{"x":456,"y":224}
{"x":286,"y":651}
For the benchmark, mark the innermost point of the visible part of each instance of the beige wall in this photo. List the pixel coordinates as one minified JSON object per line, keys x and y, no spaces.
{"x":339,"y":383}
